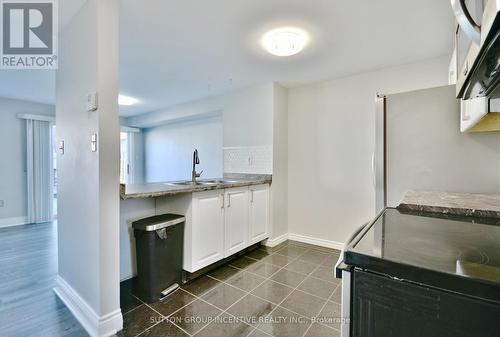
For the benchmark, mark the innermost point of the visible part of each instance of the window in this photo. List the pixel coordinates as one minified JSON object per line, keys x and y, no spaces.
{"x":125,"y":150}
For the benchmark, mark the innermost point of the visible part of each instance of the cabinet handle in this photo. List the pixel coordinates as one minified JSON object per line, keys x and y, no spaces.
{"x":221,"y":201}
{"x":228,"y":200}
{"x":251,"y":195}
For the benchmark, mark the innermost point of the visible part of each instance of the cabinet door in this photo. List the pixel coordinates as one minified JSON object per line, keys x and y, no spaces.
{"x":207,"y":228}
{"x":259,"y":213}
{"x":236,"y":220}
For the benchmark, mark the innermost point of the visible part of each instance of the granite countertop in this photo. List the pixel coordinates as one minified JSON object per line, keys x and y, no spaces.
{"x":465,"y":204}
{"x":163,"y":189}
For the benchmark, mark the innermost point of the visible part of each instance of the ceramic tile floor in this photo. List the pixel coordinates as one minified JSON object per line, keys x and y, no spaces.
{"x":288,"y":290}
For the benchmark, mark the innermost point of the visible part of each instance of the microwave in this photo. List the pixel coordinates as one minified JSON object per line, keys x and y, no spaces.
{"x":477,"y":43}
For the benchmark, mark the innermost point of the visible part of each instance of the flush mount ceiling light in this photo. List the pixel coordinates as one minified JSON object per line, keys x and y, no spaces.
{"x":285,"y":41}
{"x":127,"y":100}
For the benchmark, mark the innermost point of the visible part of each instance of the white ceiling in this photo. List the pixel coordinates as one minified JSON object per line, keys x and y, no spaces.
{"x":177,"y":51}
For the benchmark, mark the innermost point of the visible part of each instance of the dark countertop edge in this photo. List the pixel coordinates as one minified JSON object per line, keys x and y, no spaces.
{"x":473,"y":218}
{"x":469,"y":212}
{"x":468,"y":286}
{"x":189,"y":189}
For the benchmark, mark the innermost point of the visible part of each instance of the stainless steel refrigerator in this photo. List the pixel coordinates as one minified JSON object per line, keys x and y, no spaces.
{"x":419,"y":146}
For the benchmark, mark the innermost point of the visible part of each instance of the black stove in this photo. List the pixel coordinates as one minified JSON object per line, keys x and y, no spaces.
{"x":458,"y":254}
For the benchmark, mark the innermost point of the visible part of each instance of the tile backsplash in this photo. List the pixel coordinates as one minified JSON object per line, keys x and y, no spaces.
{"x":248,"y":159}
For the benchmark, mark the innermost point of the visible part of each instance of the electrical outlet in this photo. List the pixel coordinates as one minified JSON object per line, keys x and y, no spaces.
{"x":2,"y":203}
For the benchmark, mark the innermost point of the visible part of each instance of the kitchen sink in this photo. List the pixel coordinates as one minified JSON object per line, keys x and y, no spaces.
{"x":184,"y":183}
{"x":203,"y":182}
{"x":217,"y":181}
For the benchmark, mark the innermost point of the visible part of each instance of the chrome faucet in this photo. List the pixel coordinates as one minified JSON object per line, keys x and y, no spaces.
{"x":196,"y":160}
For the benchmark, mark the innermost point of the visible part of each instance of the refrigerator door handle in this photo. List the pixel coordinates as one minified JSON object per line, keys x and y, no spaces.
{"x":374,"y":169}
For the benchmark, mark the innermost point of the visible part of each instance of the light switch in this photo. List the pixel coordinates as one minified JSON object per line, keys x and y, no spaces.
{"x":93,"y":142}
{"x":92,"y":103}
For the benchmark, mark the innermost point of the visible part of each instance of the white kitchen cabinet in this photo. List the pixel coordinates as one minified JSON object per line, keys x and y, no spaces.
{"x":258,"y":227}
{"x":207,"y":228}
{"x":219,"y":223}
{"x":236,"y":220}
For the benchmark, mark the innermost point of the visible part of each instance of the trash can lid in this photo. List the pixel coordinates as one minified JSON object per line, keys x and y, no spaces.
{"x":157,"y":222}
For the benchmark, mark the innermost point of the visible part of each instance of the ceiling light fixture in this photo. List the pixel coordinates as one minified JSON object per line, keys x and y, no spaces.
{"x":285,"y":41}
{"x":127,"y":100}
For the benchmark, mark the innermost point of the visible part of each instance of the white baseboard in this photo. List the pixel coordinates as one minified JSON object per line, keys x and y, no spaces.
{"x":104,"y":326}
{"x":304,"y":239}
{"x":316,"y":241}
{"x":276,"y":241}
{"x":11,"y":222}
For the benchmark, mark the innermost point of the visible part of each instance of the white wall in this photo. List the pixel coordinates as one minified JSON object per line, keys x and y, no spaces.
{"x":330,"y":143}
{"x":169,"y":149}
{"x":279,"y":187}
{"x":248,"y":117}
{"x":13,"y":163}
{"x":192,"y":110}
{"x":248,"y":130}
{"x":88,"y":213}
{"x":131,"y":210}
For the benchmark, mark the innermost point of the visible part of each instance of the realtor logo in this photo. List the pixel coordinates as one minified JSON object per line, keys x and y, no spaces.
{"x":29,"y":30}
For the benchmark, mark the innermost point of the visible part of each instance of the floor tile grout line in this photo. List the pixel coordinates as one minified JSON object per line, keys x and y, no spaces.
{"x":245,"y":291}
{"x":324,"y":306}
{"x":284,"y":267}
{"x":280,"y":267}
{"x":293,"y":289}
{"x":236,"y":318}
{"x":213,"y":305}
{"x":320,"y":310}
{"x":257,"y":296}
{"x":152,"y":326}
{"x":170,"y":315}
{"x":279,"y":305}
{"x":333,"y":252}
{"x":142,"y":302}
{"x":246,"y":294}
{"x":331,"y":295}
{"x":329,"y":300}
{"x":167,"y":317}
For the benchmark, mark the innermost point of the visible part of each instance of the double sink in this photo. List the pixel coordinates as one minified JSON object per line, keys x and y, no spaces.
{"x":203,"y":182}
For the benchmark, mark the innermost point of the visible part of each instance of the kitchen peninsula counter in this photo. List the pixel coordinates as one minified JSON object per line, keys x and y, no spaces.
{"x":162,"y":189}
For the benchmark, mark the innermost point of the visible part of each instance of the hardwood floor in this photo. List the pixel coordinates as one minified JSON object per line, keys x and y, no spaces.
{"x":28,"y":267}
